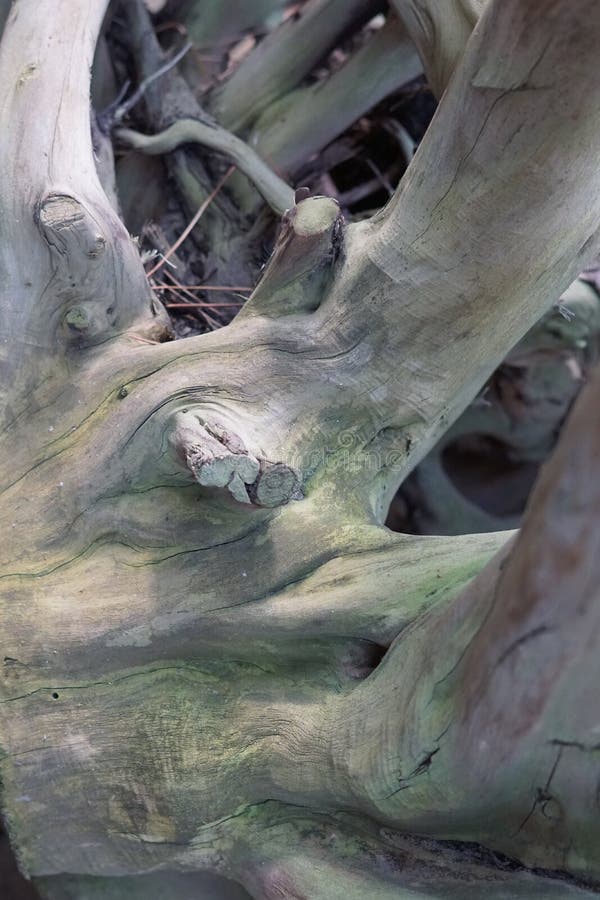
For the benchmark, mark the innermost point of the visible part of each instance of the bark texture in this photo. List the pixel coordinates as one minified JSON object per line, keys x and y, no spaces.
{"x":479,"y":475}
{"x":215,"y":658}
{"x":440,"y":32}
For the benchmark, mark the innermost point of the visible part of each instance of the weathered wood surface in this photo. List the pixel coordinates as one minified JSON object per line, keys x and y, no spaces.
{"x":192,"y":682}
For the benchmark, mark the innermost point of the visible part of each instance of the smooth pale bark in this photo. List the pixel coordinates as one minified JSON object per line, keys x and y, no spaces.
{"x":440,"y":32}
{"x":59,"y":287}
{"x":476,"y":218}
{"x":191,"y":682}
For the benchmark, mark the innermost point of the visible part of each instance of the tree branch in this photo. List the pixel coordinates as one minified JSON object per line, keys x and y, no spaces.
{"x":211,"y":22}
{"x":494,"y":735}
{"x":430,"y":269}
{"x":304,"y":121}
{"x":492,"y":221}
{"x":526,"y":681}
{"x":274,"y":189}
{"x":167,"y":100}
{"x":158,"y":718}
{"x":284,"y":852}
{"x":285,"y":57}
{"x":300,"y":269}
{"x":195,"y":669}
{"x":56,"y":224}
{"x":440,"y":33}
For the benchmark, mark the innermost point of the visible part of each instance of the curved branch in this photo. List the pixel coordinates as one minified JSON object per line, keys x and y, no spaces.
{"x":493,"y":737}
{"x":168,"y":99}
{"x":411,"y":324}
{"x":440,"y":32}
{"x":274,"y":189}
{"x":56,"y":224}
{"x":528,"y":681}
{"x":493,"y":219}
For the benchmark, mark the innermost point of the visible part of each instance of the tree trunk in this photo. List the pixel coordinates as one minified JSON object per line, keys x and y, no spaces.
{"x":216,"y":660}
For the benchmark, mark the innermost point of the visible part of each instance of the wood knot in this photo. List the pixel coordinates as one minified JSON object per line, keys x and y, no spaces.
{"x":218,"y":458}
{"x":58,"y":211}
